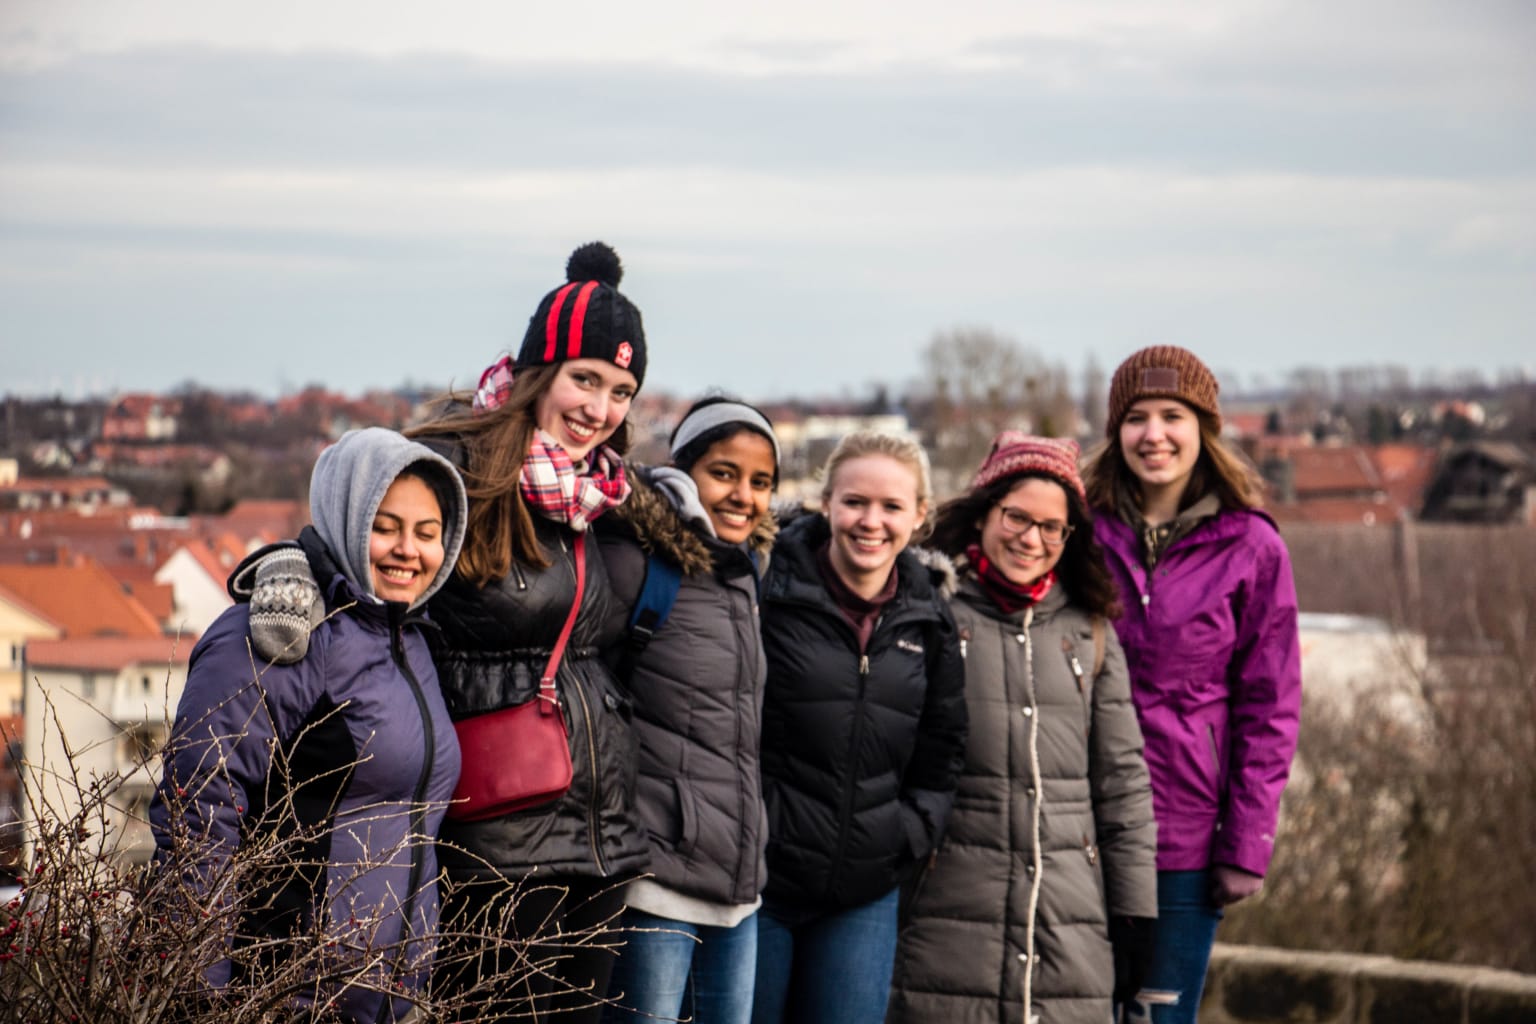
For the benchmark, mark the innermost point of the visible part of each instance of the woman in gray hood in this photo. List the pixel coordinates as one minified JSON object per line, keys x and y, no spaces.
{"x":347,"y":755}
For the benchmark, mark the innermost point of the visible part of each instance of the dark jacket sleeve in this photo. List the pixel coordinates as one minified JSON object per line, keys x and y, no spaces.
{"x":928,"y":790}
{"x":1122,"y":791}
{"x":625,"y":563}
{"x":232,"y":711}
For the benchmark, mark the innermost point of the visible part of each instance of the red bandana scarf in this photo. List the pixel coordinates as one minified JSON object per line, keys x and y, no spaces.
{"x":1008,"y":595}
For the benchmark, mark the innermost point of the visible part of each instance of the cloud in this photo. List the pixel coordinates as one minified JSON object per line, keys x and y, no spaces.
{"x":189,"y":107}
{"x":801,"y":201}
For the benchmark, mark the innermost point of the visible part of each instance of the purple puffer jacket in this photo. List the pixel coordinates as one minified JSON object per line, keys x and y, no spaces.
{"x":1215,"y":662}
{"x":358,"y":736}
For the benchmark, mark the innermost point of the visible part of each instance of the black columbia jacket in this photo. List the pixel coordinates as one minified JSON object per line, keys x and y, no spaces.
{"x":860,"y":751}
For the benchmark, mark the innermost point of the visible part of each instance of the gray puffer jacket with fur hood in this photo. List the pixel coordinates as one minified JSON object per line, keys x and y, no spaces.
{"x":697,"y":691}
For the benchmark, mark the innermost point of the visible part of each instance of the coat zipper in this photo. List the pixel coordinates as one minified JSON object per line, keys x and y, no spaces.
{"x":845,"y":815}
{"x":1036,"y":861}
{"x":594,"y":816}
{"x":418,"y":807}
{"x":741,"y":788}
{"x":1084,"y":688}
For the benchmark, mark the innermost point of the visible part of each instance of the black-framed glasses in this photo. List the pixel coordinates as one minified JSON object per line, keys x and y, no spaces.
{"x":1053,"y":532}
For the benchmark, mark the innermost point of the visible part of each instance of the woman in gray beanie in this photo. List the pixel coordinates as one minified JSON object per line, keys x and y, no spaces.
{"x":694,"y":666}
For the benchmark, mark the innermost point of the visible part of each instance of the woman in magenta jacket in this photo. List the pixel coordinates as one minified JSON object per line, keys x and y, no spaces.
{"x":1210,"y":637}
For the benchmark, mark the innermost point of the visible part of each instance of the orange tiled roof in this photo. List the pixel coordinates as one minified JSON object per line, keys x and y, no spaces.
{"x":139,"y":581}
{"x":1343,"y":470}
{"x":109,"y":653}
{"x":70,"y":485}
{"x":1245,"y":424}
{"x":1359,"y":511}
{"x":83,"y":600}
{"x":214,"y":558}
{"x":261,"y":520}
{"x":1406,"y":471}
{"x":141,"y":404}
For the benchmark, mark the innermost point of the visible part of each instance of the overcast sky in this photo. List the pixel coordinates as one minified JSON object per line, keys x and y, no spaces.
{"x":264,"y":195}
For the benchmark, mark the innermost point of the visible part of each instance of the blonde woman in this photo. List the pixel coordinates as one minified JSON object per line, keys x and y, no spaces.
{"x":863,"y":733}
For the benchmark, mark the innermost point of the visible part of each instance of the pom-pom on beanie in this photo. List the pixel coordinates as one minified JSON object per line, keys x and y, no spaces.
{"x":1014,"y":452}
{"x":588,"y":317}
{"x":1162,"y":371}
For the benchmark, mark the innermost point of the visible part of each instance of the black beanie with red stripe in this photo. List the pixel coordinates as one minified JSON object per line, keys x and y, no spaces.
{"x":588,"y":317}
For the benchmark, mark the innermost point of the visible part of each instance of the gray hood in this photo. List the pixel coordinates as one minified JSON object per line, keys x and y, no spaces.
{"x":348,"y":485}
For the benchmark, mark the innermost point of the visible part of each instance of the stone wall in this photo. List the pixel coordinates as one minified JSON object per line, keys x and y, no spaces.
{"x":1260,"y":985}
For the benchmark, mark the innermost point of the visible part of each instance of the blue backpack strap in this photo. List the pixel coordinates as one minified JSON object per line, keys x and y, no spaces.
{"x":657,"y":595}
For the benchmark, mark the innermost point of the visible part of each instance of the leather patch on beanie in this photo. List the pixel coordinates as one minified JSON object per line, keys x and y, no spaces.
{"x":1160,"y":378}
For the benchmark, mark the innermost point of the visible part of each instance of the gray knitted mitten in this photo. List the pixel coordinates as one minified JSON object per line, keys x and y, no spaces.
{"x":285,"y":606}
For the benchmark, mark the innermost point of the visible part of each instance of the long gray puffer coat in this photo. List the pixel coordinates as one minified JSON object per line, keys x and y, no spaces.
{"x":1052,"y":829}
{"x":698,"y":692}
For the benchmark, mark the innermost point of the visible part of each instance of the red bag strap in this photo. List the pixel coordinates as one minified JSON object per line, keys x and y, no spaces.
{"x":547,"y":692}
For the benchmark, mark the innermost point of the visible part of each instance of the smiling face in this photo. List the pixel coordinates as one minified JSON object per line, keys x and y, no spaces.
{"x":585,"y":403}
{"x":735,"y":481}
{"x":1023,"y":556}
{"x":1160,"y":440}
{"x":873,"y":507}
{"x":405,"y":546}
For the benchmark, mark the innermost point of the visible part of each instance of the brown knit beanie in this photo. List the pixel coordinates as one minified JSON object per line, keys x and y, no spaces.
{"x":1162,"y":371}
{"x":1014,"y":452}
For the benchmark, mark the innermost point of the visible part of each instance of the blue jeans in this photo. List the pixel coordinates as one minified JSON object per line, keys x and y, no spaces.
{"x":831,"y":969}
{"x":683,"y":971}
{"x":1186,"y":929}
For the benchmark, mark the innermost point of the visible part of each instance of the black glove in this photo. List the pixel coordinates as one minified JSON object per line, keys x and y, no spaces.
{"x":1133,"y":939}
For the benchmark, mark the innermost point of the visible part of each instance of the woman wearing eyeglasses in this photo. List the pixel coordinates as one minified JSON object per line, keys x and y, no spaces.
{"x":1052,"y":836}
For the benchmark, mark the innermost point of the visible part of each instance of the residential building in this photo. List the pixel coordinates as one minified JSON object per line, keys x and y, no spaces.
{"x":51,"y":602}
{"x":98,"y":710}
{"x":196,"y":573}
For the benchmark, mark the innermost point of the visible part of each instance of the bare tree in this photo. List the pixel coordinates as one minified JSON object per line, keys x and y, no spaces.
{"x":1095,"y":395}
{"x":93,"y":937}
{"x":978,"y":383}
{"x":1408,"y":828}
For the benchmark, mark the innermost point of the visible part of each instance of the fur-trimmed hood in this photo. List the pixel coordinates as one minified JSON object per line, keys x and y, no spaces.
{"x":657,"y":526}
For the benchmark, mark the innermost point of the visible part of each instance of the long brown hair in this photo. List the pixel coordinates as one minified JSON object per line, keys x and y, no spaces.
{"x":1112,"y":485}
{"x":495,"y":444}
{"x":1081,"y":568}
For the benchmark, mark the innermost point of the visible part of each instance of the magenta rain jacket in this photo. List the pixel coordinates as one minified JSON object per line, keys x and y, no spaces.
{"x":1211,"y":643}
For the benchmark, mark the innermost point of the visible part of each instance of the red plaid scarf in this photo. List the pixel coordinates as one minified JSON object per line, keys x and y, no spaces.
{"x":553,"y":487}
{"x":1008,"y":595}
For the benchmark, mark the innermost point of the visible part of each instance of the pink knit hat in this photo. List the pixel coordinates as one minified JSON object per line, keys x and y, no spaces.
{"x":1014,"y":452}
